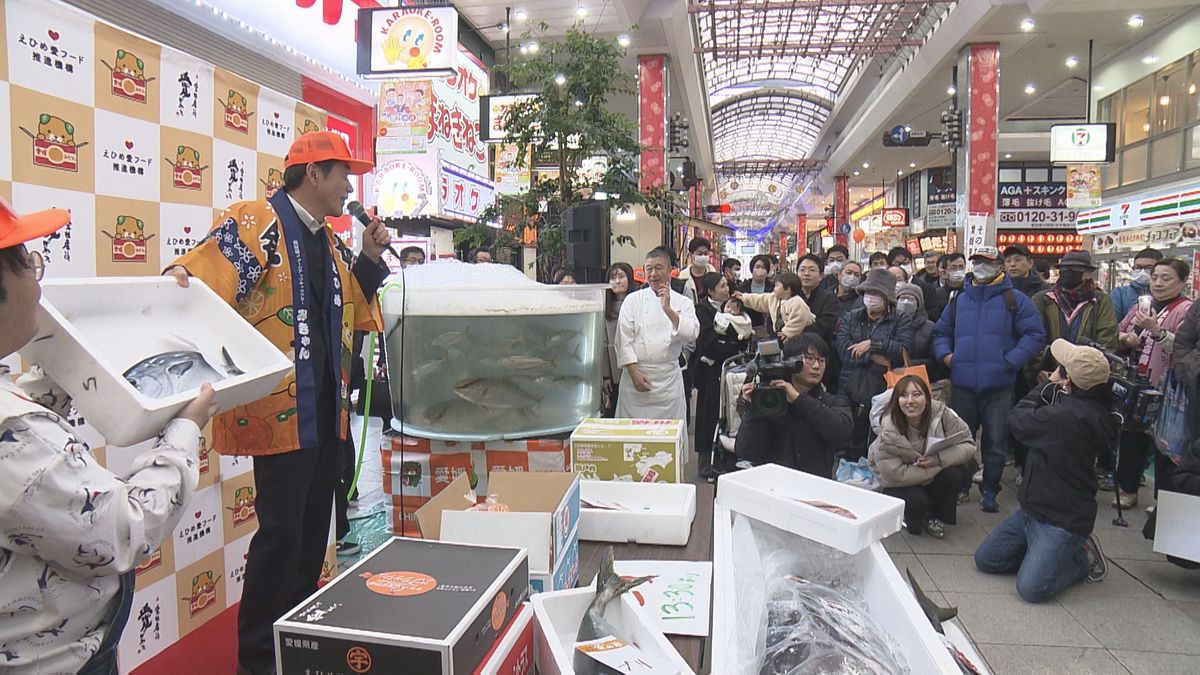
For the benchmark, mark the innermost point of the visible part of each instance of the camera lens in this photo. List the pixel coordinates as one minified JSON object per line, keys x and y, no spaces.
{"x":769,"y":401}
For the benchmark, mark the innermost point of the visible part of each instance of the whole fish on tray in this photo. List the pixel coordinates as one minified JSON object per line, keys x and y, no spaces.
{"x":609,"y":587}
{"x":170,"y":373}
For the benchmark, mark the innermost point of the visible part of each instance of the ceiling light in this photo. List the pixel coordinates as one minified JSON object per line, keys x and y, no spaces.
{"x":912,"y":165}
{"x":1008,"y":155}
{"x":907,"y":128}
{"x":866,"y":165}
{"x":524,"y":49}
{"x":503,"y":27}
{"x":1031,"y":89}
{"x":1149,"y":58}
{"x":581,"y":11}
{"x":899,"y":172}
{"x":1027,"y":25}
{"x":1146,"y":126}
{"x":1164,"y":100}
{"x":533,"y":48}
{"x":560,"y":79}
{"x":856,"y":173}
{"x":951,"y":90}
{"x":623,"y":40}
{"x":1136,"y":21}
{"x":521,"y":15}
{"x":1072,"y":61}
{"x":1192,"y":89}
{"x":1098,"y":87}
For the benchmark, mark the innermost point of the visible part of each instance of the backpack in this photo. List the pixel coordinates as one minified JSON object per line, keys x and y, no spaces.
{"x":1010,"y":302}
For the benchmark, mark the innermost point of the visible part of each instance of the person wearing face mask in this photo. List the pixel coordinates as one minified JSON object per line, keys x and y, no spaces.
{"x":620,"y":285}
{"x":985,"y":336}
{"x":699,"y":264}
{"x":760,"y":281}
{"x":785,"y":309}
{"x":1018,"y":265}
{"x":1149,"y":332}
{"x":1126,"y":297}
{"x":1065,"y":422}
{"x":910,"y":302}
{"x":869,"y":341}
{"x":835,"y":261}
{"x":847,"y":289}
{"x":713,"y":347}
{"x":953,"y":274}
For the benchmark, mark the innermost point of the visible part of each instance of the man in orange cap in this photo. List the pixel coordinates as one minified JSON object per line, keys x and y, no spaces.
{"x":290,"y":276}
{"x":71,"y":532}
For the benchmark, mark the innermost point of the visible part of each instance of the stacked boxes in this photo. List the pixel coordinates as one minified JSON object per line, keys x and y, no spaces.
{"x":649,"y":451}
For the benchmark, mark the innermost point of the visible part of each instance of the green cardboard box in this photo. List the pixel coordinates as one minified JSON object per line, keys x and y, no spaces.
{"x":648,"y":451}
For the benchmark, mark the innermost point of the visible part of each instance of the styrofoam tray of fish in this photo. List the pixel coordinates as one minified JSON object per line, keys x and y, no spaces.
{"x":869,"y":573}
{"x":480,"y":352}
{"x":559,"y":619}
{"x":838,"y":515}
{"x":642,"y":513}
{"x":132,"y":352}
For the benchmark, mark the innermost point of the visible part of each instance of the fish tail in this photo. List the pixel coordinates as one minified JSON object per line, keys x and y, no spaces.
{"x":609,"y":584}
{"x":230,"y":367}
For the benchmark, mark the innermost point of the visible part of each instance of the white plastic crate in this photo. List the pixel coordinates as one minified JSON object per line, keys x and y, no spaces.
{"x":90,"y":331}
{"x":651,"y":513}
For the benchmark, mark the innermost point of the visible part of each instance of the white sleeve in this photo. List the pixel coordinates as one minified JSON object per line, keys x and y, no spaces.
{"x":63,"y":507}
{"x":689,"y":326}
{"x":627,"y":331}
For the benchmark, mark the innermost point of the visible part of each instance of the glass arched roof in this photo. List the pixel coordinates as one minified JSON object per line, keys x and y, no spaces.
{"x":767,"y":124}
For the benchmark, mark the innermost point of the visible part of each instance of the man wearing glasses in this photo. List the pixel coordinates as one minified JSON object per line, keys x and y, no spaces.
{"x":1125,"y":298}
{"x":815,"y":425}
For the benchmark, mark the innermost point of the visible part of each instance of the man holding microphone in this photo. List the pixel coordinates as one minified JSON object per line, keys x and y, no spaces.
{"x":291,"y":277}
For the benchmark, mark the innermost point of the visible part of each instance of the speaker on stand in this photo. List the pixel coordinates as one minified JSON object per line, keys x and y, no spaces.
{"x":587,"y":241}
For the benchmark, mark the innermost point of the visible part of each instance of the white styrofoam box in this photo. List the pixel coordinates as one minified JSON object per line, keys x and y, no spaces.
{"x":1177,"y":530}
{"x":90,"y":331}
{"x":956,"y":636}
{"x":658,"y":513}
{"x":890,"y":602}
{"x":556,"y":624}
{"x":776,"y":495}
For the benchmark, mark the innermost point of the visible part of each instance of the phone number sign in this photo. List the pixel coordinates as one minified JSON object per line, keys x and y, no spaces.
{"x":1020,"y":219}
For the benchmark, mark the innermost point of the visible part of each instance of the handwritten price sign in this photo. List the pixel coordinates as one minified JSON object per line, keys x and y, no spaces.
{"x":679,"y":596}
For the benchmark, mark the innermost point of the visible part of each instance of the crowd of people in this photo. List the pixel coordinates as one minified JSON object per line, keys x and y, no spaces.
{"x":936,"y":378}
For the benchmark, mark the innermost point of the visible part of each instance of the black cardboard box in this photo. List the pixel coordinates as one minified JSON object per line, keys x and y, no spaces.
{"x":411,"y":606}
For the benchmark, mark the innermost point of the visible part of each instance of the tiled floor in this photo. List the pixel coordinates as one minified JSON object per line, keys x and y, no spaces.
{"x":1144,"y":618}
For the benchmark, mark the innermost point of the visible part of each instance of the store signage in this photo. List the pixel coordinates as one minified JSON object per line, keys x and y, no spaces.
{"x":326,"y":36}
{"x":1083,"y":187}
{"x":1034,"y":205}
{"x":913,"y":245}
{"x":940,"y":186}
{"x":1158,"y":210}
{"x":1042,"y":243}
{"x":895,"y":217}
{"x":1083,"y":143}
{"x":940,"y":216}
{"x":492,"y":110}
{"x":977,"y":235}
{"x":404,"y":188}
{"x":454,"y":118}
{"x":412,"y":42}
{"x":463,"y":194}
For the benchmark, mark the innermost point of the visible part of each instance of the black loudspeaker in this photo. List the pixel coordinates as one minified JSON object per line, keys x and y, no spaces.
{"x":587,"y":241}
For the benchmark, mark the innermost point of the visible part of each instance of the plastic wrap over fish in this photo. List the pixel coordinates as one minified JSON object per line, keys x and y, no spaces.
{"x":480,"y":352}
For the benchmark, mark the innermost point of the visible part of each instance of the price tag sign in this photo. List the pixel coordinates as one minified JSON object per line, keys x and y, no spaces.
{"x":677,"y":597}
{"x":625,"y":658}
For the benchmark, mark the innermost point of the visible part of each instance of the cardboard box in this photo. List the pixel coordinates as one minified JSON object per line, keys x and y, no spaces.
{"x":513,"y":652}
{"x":792,"y":500}
{"x":543,"y":518}
{"x":631,"y":450}
{"x":643,"y":513}
{"x":558,"y":615}
{"x":889,"y":600}
{"x":1177,"y":526}
{"x":411,"y":606}
{"x":90,"y":331}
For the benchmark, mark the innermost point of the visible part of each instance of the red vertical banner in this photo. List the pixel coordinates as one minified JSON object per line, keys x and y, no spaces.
{"x":652,"y":120}
{"x":983,"y":109}
{"x":783,"y":249}
{"x":841,"y":208}
{"x":802,"y":235}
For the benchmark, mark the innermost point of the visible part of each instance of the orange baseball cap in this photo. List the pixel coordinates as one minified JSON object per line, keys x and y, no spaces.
{"x":319,"y":146}
{"x":16,"y":229}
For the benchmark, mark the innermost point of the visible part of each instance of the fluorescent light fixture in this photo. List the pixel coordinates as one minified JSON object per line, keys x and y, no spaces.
{"x":1072,"y":62}
{"x":1149,"y":58}
{"x":1136,"y":21}
{"x":1027,"y":25}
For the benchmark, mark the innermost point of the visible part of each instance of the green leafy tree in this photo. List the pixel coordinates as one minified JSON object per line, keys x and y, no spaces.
{"x":575,"y":78}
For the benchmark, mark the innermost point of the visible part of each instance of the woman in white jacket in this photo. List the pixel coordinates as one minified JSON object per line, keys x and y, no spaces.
{"x":921,"y":456}
{"x":787,"y":312}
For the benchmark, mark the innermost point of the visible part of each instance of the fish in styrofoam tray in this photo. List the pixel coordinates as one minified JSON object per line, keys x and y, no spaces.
{"x":173,"y":372}
{"x":609,"y":587}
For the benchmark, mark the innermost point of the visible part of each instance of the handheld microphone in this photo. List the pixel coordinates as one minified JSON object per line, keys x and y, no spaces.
{"x":356,"y":209}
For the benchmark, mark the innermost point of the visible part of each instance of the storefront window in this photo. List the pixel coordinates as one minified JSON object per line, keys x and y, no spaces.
{"x":1137,"y":112}
{"x":1193,"y":89}
{"x":1133,"y":164}
{"x":1192,"y":158}
{"x":1110,"y":174}
{"x":1170,"y":91}
{"x":1109,"y":110}
{"x":1165,"y":155}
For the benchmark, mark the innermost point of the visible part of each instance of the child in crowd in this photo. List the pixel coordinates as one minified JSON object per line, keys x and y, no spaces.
{"x":733,"y":315}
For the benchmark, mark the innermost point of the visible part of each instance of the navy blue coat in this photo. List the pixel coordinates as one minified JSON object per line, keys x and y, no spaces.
{"x":990,"y":344}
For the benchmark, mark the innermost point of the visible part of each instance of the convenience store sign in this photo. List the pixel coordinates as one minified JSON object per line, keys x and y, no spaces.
{"x":1169,"y":208}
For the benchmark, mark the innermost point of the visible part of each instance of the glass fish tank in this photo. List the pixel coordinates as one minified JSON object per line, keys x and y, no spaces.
{"x":481,"y":352}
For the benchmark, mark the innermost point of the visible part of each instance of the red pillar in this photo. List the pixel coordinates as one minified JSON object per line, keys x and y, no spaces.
{"x":979,"y":68}
{"x":841,"y":208}
{"x":652,"y":119}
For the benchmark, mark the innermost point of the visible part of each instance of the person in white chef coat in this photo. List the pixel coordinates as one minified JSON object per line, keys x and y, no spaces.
{"x":655,"y":325}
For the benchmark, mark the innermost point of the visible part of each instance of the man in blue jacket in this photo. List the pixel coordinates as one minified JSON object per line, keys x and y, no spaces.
{"x":985,"y":337}
{"x":1125,"y":297}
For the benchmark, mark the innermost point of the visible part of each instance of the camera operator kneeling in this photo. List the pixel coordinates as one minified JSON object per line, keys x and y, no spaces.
{"x":805,"y":434}
{"x":1065,"y":423}
{"x":921,"y":456}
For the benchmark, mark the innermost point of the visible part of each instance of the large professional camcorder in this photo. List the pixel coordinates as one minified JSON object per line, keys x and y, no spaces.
{"x":766,"y":366}
{"x":1134,"y":398}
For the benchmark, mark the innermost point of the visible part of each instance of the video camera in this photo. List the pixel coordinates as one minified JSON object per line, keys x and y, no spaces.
{"x":767,"y":365}
{"x":1134,"y":398}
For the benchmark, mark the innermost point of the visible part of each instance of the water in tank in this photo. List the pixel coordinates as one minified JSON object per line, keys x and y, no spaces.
{"x":481,"y":352}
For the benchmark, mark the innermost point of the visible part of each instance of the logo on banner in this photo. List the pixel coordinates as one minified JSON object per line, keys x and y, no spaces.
{"x":1080,"y":137}
{"x":273,"y":182}
{"x":237,"y":112}
{"x":402,"y":189}
{"x":204,"y":593}
{"x":186,"y":171}
{"x":243,"y":505}
{"x":400,"y":584}
{"x":155,"y":560}
{"x":411,"y":37}
{"x":309,"y":127}
{"x":204,"y":449}
{"x":54,"y":145}
{"x":128,"y":240}
{"x":189,"y":90}
{"x":359,"y":659}
{"x":128,"y":77}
